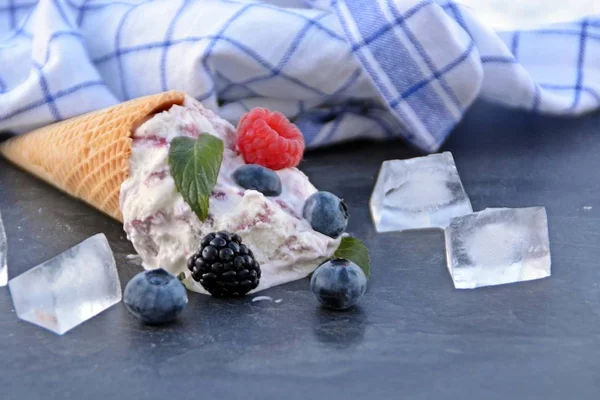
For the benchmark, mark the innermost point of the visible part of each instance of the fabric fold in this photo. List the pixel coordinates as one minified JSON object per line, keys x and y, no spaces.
{"x":340,"y":69}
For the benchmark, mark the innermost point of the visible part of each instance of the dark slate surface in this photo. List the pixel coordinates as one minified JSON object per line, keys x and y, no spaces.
{"x":413,"y":335}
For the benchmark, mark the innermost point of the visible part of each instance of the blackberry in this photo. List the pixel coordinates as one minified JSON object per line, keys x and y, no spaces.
{"x":224,"y":265}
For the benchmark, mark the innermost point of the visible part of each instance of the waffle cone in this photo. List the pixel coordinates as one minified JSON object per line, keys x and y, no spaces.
{"x":88,"y":156}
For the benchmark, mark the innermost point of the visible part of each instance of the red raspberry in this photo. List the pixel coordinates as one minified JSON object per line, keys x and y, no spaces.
{"x":269,"y":139}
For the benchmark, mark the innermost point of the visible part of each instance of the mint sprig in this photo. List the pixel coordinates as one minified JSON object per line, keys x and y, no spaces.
{"x":354,"y":250}
{"x":194,"y":165}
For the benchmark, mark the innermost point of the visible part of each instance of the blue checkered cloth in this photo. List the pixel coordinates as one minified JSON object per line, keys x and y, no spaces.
{"x":340,"y":69}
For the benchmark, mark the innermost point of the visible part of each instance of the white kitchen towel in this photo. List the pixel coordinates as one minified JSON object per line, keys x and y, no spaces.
{"x":340,"y":69}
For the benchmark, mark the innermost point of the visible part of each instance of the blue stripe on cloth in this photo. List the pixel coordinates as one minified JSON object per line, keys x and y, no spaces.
{"x":454,"y":9}
{"x":332,"y":34}
{"x":12,"y":8}
{"x":81,"y":13}
{"x":389,"y":26}
{"x":498,"y":60}
{"x":244,"y":105}
{"x":84,"y":7}
{"x":247,"y":50}
{"x":123,"y":84}
{"x":386,"y":129}
{"x":311,"y":123}
{"x":346,"y":85}
{"x":374,"y":114}
{"x":418,"y":99}
{"x":211,"y":46}
{"x":401,"y":68}
{"x":57,"y":95}
{"x":20,"y":31}
{"x":263,"y":62}
{"x":310,"y":23}
{"x":62,"y":13}
{"x":514,"y":45}
{"x":423,"y":53}
{"x":228,"y":82}
{"x":55,"y":36}
{"x":12,"y":13}
{"x":168,"y":36}
{"x":276,"y":70}
{"x":133,"y":49}
{"x":310,"y":129}
{"x":101,"y":6}
{"x":571,"y":32}
{"x":192,"y":39}
{"x":286,"y":11}
{"x":537,"y":96}
{"x":49,"y":99}
{"x":410,"y":91}
{"x":375,"y":77}
{"x":334,"y":127}
{"x":431,"y":117}
{"x":585,"y":89}
{"x":580,"y":63}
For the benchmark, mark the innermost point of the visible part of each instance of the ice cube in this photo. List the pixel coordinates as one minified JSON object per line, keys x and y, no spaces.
{"x":498,"y":246}
{"x":70,"y":288}
{"x":3,"y":250}
{"x":422,"y":192}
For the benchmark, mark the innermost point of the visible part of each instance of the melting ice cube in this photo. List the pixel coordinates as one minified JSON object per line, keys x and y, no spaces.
{"x":422,"y":192}
{"x":3,"y":250}
{"x":498,"y":246}
{"x":70,"y":288}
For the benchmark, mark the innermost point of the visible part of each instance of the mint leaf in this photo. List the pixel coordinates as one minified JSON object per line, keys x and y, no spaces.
{"x":354,"y":250}
{"x":195,"y":165}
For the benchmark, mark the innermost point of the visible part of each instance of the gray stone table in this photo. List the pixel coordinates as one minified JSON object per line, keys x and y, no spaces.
{"x":413,"y":336}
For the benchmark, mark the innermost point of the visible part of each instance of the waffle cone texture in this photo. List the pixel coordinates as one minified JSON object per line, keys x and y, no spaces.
{"x":88,"y":156}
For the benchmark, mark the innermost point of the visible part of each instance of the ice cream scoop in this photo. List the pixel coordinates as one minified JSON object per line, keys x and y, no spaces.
{"x":117,"y":160}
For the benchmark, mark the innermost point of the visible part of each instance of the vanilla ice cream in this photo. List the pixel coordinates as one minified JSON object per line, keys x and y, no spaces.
{"x":165,"y":231}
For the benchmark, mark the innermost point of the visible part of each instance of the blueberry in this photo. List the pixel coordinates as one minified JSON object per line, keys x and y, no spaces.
{"x":257,"y":177}
{"x":155,"y":296}
{"x":338,"y":284}
{"x":326,"y":213}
